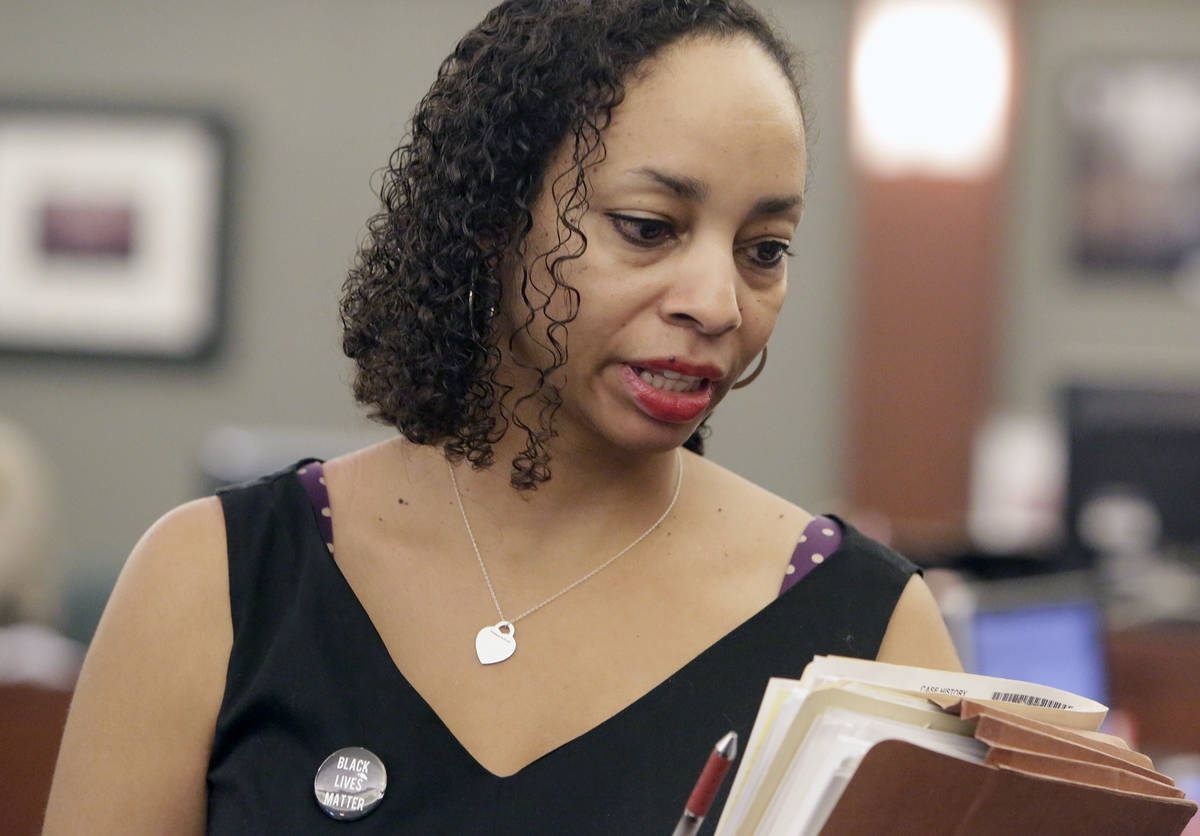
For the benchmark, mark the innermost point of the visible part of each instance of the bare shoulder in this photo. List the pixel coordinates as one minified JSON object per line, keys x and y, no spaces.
{"x":741,"y":502}
{"x":151,"y":685}
{"x":768,"y":526}
{"x":757,"y":529}
{"x":359,"y":475}
{"x":178,"y":569}
{"x":916,"y":633}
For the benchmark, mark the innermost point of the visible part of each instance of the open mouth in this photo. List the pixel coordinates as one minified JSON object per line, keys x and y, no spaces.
{"x":669,"y":381}
{"x":668,"y":395}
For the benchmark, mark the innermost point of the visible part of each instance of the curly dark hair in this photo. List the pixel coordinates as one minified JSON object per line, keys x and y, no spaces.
{"x":418,"y":303}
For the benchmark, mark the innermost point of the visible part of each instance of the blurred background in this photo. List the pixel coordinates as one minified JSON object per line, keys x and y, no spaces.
{"x":990,"y":356}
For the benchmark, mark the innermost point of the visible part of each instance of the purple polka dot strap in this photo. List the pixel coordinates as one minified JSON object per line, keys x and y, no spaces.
{"x":312,"y":478}
{"x":819,"y":540}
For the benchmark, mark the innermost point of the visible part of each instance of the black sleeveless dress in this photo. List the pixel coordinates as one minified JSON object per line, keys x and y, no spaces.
{"x":308,"y":675}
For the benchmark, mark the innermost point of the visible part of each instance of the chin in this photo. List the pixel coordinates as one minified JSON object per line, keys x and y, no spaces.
{"x":623,"y":428}
{"x":643,"y":435}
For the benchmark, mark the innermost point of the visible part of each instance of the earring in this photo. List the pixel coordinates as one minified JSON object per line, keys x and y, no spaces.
{"x":491,"y":311}
{"x":748,"y":379}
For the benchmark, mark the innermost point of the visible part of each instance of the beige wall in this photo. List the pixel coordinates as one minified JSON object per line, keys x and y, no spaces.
{"x":1056,"y":328}
{"x":318,"y":93}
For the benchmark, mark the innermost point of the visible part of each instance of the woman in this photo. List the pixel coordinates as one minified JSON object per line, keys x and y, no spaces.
{"x":534,"y":610}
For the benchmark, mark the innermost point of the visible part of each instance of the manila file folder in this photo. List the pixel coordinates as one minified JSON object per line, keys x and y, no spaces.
{"x":905,"y":790}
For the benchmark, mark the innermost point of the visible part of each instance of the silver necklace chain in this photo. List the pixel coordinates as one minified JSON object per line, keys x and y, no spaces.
{"x":570,"y":586}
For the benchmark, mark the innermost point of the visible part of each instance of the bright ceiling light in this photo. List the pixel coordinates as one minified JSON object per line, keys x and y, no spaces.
{"x":930,"y":86}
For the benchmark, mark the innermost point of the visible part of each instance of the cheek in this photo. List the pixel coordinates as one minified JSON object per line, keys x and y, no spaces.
{"x":760,"y":310}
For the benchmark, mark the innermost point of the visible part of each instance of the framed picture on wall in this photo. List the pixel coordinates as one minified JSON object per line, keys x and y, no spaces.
{"x":112,"y":230}
{"x":1134,"y":140}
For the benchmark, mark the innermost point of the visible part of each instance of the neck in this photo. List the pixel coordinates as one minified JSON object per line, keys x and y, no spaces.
{"x":593,"y":504}
{"x":577,"y":475}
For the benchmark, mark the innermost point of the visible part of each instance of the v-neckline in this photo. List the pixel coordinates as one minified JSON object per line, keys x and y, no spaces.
{"x":378,"y":645}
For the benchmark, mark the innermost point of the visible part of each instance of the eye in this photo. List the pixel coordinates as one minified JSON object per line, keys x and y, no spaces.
{"x":767,"y":254}
{"x":642,"y":232}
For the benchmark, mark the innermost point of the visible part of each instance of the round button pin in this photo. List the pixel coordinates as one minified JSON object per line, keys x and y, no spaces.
{"x":350,"y":783}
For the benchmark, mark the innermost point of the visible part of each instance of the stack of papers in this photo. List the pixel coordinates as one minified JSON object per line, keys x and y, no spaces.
{"x":857,"y":746}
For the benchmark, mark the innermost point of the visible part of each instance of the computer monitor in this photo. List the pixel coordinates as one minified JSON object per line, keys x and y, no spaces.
{"x":1059,"y":644}
{"x":1047,"y":629}
{"x":1139,"y":442}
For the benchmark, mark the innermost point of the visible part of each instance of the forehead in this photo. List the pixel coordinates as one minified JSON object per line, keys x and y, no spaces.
{"x":710,"y":103}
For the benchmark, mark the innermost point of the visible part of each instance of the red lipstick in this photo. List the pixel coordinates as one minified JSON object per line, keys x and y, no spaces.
{"x":672,"y":407}
{"x":682,"y":366}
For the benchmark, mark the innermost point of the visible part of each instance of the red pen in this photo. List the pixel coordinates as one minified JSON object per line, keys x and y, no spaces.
{"x":706,"y":787}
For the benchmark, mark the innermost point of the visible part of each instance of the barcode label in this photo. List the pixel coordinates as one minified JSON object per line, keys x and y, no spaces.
{"x":1028,"y":699}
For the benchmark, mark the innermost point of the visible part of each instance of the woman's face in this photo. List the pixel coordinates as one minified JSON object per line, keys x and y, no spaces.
{"x":689,"y":217}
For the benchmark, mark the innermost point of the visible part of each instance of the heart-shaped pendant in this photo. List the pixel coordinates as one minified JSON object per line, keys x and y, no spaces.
{"x":496,"y":643}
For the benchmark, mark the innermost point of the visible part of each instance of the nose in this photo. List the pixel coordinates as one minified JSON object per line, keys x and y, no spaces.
{"x":703,"y":294}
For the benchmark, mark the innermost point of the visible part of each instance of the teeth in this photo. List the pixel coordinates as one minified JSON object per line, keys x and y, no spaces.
{"x":670,"y":381}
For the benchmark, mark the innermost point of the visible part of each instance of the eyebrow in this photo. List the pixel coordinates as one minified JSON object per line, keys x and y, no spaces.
{"x":776,"y":205}
{"x":689,"y":188}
